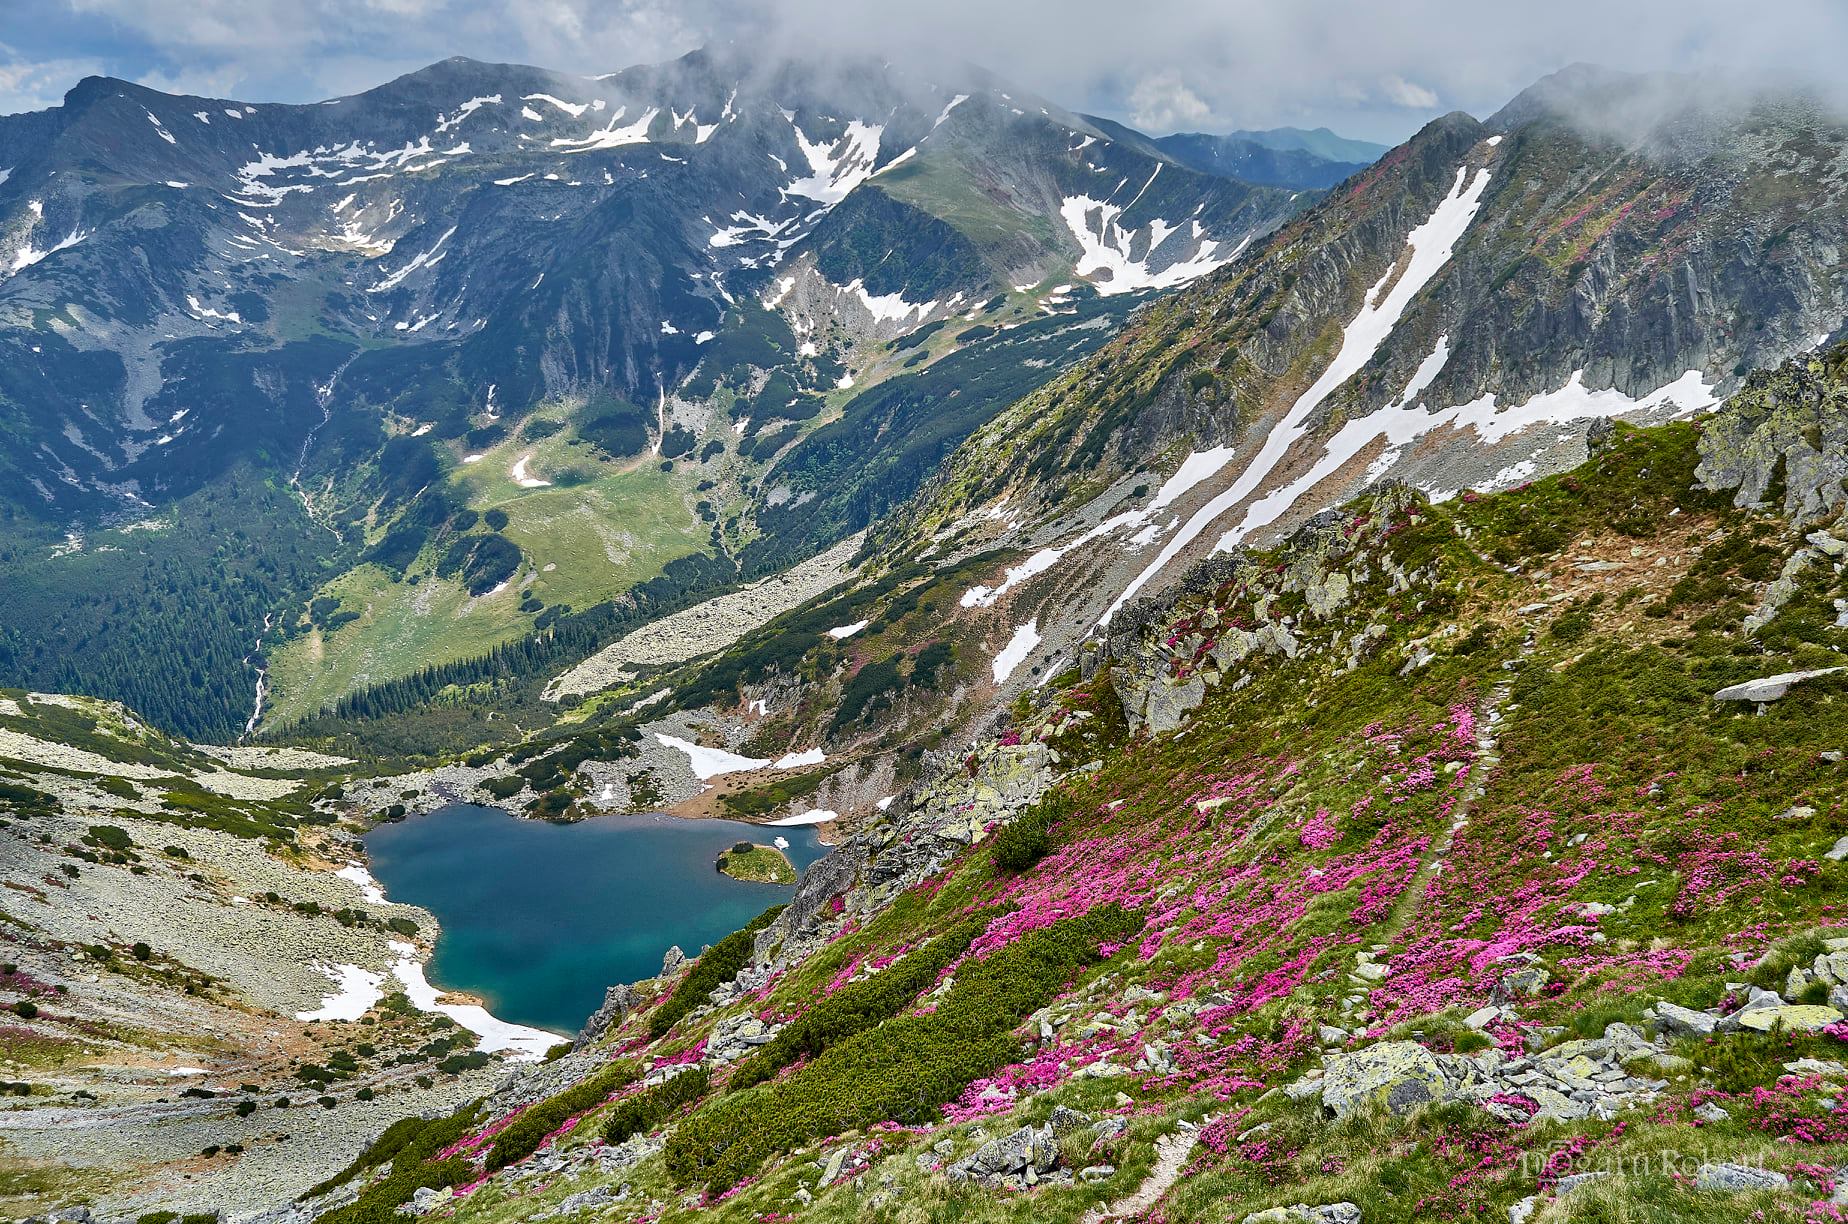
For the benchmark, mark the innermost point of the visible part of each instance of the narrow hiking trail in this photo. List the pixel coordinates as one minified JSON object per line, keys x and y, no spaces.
{"x":1369,"y":972}
{"x":1171,"y":1153}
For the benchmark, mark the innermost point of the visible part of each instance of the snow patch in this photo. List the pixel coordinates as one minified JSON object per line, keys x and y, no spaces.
{"x":796,"y":760}
{"x":368,"y":887}
{"x":612,"y":135}
{"x":811,"y":817}
{"x":495,"y":1035}
{"x":574,"y":109}
{"x":1404,"y":421}
{"x":28,"y":255}
{"x":889,"y":307}
{"x":359,"y":990}
{"x":1107,"y":245}
{"x":709,"y":763}
{"x":837,"y":168}
{"x":524,"y":479}
{"x":846,"y":631}
{"x":1018,"y":647}
{"x":427,"y":259}
{"x":1198,"y":466}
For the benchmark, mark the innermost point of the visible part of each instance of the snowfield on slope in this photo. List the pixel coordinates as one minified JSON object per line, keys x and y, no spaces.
{"x":1431,"y":245}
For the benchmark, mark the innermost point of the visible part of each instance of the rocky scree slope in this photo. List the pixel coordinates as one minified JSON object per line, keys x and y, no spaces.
{"x":188,"y":948}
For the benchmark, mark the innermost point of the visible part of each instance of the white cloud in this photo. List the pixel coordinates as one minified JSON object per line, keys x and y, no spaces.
{"x":33,"y":86}
{"x":1409,"y":94}
{"x":1371,"y":70}
{"x":1163,"y":103}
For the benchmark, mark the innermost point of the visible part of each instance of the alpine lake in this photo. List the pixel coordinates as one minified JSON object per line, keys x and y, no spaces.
{"x":539,"y":918}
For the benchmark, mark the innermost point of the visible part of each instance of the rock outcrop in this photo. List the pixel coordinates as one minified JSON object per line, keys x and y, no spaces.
{"x":1579,"y":1079}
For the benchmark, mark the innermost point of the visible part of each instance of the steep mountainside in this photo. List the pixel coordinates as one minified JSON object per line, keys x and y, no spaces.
{"x":595,"y":311}
{"x":1444,"y":860}
{"x":1457,"y":317}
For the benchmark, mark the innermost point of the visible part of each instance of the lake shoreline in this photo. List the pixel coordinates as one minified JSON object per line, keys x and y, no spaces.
{"x":536,"y":919}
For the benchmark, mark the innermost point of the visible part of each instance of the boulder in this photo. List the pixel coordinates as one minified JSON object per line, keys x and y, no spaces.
{"x":1524,"y":983}
{"x":1303,"y":1213}
{"x":1737,"y":1178}
{"x":672,"y":961}
{"x":1572,"y":1181}
{"x":1032,"y":1149}
{"x":1770,"y":688}
{"x":1402,"y":1075}
{"x":1793,"y":1017}
{"x":1684,"y":1021}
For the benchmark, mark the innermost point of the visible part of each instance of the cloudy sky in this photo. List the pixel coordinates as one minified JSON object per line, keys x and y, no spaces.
{"x":1374,"y":69}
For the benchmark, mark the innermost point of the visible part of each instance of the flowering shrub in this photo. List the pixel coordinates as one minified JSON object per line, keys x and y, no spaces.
{"x":1318,"y":832}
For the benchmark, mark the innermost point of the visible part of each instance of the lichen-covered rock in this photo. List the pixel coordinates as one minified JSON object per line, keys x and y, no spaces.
{"x":1790,"y":1017}
{"x":1795,"y":416}
{"x":1401,"y":1075}
{"x":1684,"y":1021}
{"x":1303,"y":1213}
{"x":618,"y":1002}
{"x":1031,"y":1149}
{"x":1737,"y":1178}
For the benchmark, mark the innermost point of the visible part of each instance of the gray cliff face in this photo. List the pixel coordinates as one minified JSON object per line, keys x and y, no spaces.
{"x":1786,"y":426}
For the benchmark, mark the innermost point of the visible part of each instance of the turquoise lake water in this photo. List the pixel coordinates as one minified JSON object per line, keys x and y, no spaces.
{"x":539,"y":918}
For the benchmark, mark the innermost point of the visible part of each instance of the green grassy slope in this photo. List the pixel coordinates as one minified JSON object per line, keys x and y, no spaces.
{"x":1493,"y":746}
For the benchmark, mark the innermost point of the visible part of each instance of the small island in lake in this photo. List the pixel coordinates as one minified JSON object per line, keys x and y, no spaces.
{"x":757,"y":863}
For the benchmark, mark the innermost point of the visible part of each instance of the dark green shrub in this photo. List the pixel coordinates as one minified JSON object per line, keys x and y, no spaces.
{"x":1026,"y":839}
{"x":648,"y":1109}
{"x":902,"y":1070}
{"x":111,"y":837}
{"x":1022,"y":842}
{"x":408,"y":1142}
{"x":716,"y":966}
{"x":504,"y":788}
{"x":858,"y":1006}
{"x":525,"y":1133}
{"x":379,"y":1202}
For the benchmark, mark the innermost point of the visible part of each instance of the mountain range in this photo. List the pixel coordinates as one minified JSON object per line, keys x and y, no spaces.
{"x":1318,"y":674}
{"x":563,"y":280}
